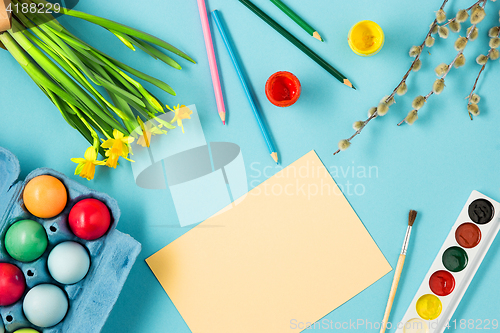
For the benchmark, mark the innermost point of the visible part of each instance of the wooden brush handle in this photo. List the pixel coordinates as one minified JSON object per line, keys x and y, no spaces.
{"x":392,"y":294}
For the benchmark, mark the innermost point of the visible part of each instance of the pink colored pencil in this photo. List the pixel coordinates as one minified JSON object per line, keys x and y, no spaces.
{"x":211,"y":60}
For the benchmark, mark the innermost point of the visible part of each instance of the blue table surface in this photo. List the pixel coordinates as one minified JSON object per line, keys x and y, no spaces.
{"x":431,"y":166}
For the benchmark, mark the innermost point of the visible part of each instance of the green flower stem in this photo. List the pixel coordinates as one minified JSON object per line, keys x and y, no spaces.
{"x":103,"y":70}
{"x":54,"y":42}
{"x":55,"y":72}
{"x":123,"y":38}
{"x":66,"y":66}
{"x":130,"y":41}
{"x":32,"y":69}
{"x":108,"y":24}
{"x":96,"y":143}
{"x":67,"y":52}
{"x":98,"y":56}
{"x":156,"y":53}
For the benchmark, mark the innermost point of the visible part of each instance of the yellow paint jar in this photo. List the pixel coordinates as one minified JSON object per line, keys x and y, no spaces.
{"x":429,"y":307}
{"x":366,"y":38}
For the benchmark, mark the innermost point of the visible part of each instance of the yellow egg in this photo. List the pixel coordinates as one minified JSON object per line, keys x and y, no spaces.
{"x":45,"y":196}
{"x":26,"y":330}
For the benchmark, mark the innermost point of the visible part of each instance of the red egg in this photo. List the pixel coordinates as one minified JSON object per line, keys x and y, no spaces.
{"x":12,"y":284}
{"x":89,"y":219}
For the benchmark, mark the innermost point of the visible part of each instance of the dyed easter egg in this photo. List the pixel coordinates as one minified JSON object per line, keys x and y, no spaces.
{"x":26,"y":240}
{"x":45,"y":305}
{"x":68,"y":262}
{"x":45,"y":196}
{"x":12,"y":284}
{"x":26,"y":330}
{"x":89,"y":219}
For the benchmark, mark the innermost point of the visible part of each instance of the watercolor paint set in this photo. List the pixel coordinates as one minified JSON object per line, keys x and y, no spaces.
{"x":454,"y":267}
{"x":56,"y":274}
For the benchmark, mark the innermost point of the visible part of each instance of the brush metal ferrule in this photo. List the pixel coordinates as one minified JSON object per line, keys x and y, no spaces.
{"x":407,"y":240}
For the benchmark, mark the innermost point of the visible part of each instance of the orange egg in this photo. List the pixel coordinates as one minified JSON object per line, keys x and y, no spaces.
{"x":45,"y":196}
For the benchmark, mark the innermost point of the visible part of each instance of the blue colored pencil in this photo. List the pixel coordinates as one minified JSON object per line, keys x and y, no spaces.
{"x":256,"y":113}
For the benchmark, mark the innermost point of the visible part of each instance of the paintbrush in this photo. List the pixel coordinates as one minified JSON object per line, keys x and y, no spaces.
{"x":399,"y":269}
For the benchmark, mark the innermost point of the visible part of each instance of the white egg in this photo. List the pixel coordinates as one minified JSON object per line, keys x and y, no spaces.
{"x":45,"y":305}
{"x":68,"y":262}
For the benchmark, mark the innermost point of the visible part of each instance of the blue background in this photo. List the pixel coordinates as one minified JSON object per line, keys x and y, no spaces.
{"x":431,"y":166}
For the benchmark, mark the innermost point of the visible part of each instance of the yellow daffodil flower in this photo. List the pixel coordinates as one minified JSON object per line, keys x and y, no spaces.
{"x":148,"y":129}
{"x":86,"y":165}
{"x":119,"y":146}
{"x":181,"y":112}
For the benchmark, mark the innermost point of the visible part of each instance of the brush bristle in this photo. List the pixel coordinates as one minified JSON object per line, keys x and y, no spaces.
{"x":411,"y":217}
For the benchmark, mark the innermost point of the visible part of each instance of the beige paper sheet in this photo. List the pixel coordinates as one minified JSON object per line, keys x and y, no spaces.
{"x":273,"y":258}
{"x":5,"y":23}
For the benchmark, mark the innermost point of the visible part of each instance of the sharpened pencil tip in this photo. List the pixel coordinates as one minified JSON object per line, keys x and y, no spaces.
{"x":275,"y":157}
{"x":317,"y":36}
{"x":348,"y":83}
{"x":222,"y":116}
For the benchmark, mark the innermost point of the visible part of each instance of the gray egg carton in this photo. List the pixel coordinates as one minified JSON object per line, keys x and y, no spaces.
{"x":112,"y":256}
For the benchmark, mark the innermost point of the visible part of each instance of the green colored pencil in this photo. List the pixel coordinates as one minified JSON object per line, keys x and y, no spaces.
{"x":329,"y":68}
{"x":304,"y":25}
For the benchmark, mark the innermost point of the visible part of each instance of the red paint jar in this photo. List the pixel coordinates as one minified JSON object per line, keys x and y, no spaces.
{"x":283,"y":89}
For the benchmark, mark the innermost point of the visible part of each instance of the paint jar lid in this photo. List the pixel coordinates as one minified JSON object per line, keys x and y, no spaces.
{"x":366,"y":38}
{"x":283,"y":89}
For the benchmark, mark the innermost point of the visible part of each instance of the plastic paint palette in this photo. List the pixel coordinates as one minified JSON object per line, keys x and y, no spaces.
{"x":111,"y":256}
{"x":454,"y":267}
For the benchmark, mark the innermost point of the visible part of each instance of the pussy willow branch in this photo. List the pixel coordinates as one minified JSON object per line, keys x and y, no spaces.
{"x":479,"y":74}
{"x":450,"y":66}
{"x":375,"y":114}
{"x":467,"y":9}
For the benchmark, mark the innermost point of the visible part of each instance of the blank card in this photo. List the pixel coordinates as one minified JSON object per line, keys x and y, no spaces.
{"x":292,"y":250}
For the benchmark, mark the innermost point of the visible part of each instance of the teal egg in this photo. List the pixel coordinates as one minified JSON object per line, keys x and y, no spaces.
{"x":26,"y":240}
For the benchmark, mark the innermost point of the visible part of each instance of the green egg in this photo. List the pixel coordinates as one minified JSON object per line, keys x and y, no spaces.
{"x":26,"y":240}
